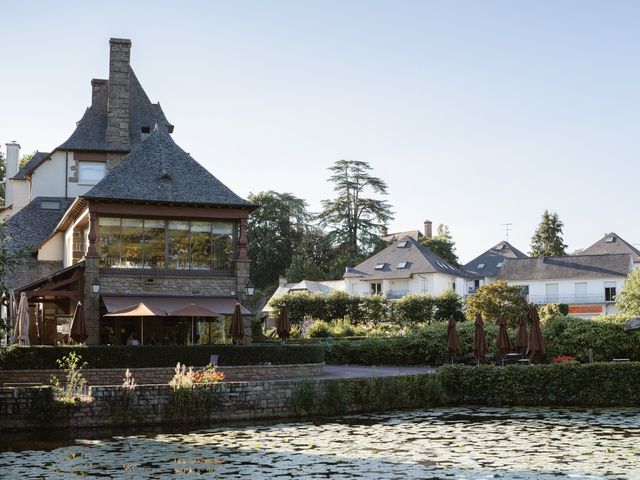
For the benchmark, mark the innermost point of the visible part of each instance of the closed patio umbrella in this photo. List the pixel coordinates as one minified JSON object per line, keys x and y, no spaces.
{"x":522,"y":338}
{"x":503,"y":344}
{"x":284,"y":325}
{"x":536,"y":347}
{"x":237,"y":325}
{"x":22,"y":322}
{"x":78,"y":329}
{"x":453,"y":343}
{"x":140,"y":310}
{"x":479,"y":340}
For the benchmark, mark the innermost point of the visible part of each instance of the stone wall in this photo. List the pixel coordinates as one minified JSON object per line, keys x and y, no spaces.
{"x":29,"y":270}
{"x":165,"y":284}
{"x":105,"y":406}
{"x":114,"y":376}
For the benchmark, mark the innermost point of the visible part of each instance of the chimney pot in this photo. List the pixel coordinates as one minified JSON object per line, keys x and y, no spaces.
{"x":428,"y":229}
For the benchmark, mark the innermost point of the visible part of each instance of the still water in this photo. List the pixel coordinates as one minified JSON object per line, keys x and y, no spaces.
{"x":447,"y":443}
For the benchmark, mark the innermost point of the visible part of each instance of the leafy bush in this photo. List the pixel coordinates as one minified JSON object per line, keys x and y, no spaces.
{"x":111,"y":356}
{"x":375,"y":308}
{"x":495,"y":299}
{"x":448,"y":305}
{"x":566,"y":384}
{"x":414,"y":308}
{"x":319,"y":329}
{"x":551,"y":310}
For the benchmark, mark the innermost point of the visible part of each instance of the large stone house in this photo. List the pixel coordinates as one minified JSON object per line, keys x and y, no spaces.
{"x":117,"y":215}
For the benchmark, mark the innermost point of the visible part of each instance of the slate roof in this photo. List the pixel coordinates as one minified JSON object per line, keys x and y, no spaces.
{"x":91,"y":130}
{"x":159,"y":171}
{"x":496,"y":254}
{"x":612,"y":243}
{"x":324,"y":287}
{"x":32,"y":225}
{"x":573,"y":266}
{"x":418,"y":258}
{"x":30,"y":166}
{"x":392,"y":237}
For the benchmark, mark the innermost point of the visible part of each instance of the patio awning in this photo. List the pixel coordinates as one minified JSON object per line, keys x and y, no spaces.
{"x":221,"y":305}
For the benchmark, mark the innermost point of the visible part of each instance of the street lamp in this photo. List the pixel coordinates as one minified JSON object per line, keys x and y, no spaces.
{"x":95,"y":286}
{"x":249,"y":289}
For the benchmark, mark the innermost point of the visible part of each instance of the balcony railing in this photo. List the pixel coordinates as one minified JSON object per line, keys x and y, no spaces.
{"x":569,"y":299}
{"x":394,"y":294}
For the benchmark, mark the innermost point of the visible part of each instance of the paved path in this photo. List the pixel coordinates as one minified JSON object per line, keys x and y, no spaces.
{"x":364,"y":371}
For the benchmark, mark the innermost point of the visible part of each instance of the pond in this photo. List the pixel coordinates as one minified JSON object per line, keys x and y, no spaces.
{"x":445,"y":443}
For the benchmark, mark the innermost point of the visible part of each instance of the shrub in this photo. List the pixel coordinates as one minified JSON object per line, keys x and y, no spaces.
{"x":497,"y":298}
{"x":111,"y":356}
{"x":448,"y":305}
{"x":319,"y":329}
{"x":414,"y":308}
{"x":562,"y":384}
{"x":551,"y":310}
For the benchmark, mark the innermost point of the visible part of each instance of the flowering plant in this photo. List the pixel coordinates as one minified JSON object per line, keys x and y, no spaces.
{"x":208,"y":375}
{"x":563,"y":358}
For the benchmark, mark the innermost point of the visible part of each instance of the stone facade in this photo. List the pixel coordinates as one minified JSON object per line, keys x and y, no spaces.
{"x":29,"y":270}
{"x":164,"y":283}
{"x":152,"y":376}
{"x":118,"y":103}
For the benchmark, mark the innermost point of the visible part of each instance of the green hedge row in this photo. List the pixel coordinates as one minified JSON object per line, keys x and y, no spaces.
{"x":44,"y":357}
{"x":564,"y":384}
{"x":563,"y":336}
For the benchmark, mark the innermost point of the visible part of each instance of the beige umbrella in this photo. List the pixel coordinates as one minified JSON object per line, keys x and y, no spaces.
{"x":193,"y":310}
{"x":140,"y":310}
{"x":78,"y":329}
{"x":237,"y":325}
{"x":22,"y":321}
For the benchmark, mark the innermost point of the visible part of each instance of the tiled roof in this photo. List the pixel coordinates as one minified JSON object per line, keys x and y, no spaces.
{"x":32,"y":225}
{"x":91,"y":130}
{"x":612,"y":243}
{"x":30,"y":166}
{"x":491,"y":258}
{"x":574,"y":266}
{"x":403,"y":259}
{"x":158,"y":170}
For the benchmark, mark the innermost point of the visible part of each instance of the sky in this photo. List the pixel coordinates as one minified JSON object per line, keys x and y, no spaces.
{"x":475,"y":113}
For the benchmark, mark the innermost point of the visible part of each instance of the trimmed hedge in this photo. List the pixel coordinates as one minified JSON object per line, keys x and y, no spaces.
{"x":108,"y":356}
{"x":563,"y":384}
{"x":563,"y":336}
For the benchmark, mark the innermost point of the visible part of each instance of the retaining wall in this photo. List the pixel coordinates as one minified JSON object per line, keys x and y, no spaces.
{"x":115,"y":376}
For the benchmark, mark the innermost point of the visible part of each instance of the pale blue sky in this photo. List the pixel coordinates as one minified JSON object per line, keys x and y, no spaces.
{"x":476,"y":113}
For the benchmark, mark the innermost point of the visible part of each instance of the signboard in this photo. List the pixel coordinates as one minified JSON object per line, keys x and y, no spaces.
{"x":632,"y":323}
{"x":585,"y":309}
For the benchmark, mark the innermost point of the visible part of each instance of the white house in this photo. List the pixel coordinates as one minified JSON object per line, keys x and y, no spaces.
{"x":324,"y":287}
{"x":587,"y":283}
{"x":406,"y":266}
{"x":613,"y":243}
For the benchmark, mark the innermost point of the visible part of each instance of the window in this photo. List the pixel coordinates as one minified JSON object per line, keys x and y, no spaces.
{"x":90,"y":173}
{"x":610,"y":291}
{"x":609,"y":239}
{"x":524,"y":290}
{"x":499,"y":264}
{"x":144,"y":132}
{"x":170,"y":244}
{"x":476,"y":284}
{"x":480,"y":266}
{"x":501,"y":246}
{"x":376,"y":288}
{"x":402,"y":244}
{"x":380,"y":266}
{"x":49,"y":205}
{"x":402,"y":265}
{"x":552,"y":292}
{"x":581,"y":291}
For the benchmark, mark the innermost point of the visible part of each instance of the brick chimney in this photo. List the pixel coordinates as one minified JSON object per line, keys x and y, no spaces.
{"x":118,"y":104}
{"x":428,"y":229}
{"x":13,"y":159}
{"x":97,"y":84}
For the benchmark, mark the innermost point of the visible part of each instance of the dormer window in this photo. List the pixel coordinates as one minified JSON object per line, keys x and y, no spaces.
{"x":402,"y":265}
{"x":609,"y":239}
{"x":402,"y":244}
{"x":480,"y":266}
{"x":49,"y":205}
{"x":90,"y":173}
{"x":144,"y":132}
{"x":501,"y":246}
{"x":380,"y":266}
{"x":499,"y":264}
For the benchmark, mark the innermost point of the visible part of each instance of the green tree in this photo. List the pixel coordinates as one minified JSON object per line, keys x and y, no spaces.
{"x":495,"y":299}
{"x":448,"y":305}
{"x":315,"y":258}
{"x":354,"y":218}
{"x":442,"y":245}
{"x":414,"y":308}
{"x":302,"y":268}
{"x":547,"y":240}
{"x":24,"y":159}
{"x":275,"y":231}
{"x":629,"y":298}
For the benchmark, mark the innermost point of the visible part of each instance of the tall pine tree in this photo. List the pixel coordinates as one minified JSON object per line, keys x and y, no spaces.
{"x":547,"y":240}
